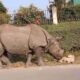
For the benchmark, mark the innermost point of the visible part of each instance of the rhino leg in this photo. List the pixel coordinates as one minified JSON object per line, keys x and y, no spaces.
{"x":29,"y":57}
{"x":5,"y":60}
{"x":39,"y":52}
{"x":1,"y":54}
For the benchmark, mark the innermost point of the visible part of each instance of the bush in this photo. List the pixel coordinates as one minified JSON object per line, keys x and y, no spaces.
{"x":70,"y":31}
{"x":2,"y":8}
{"x":28,"y":15}
{"x":70,"y":13}
{"x":76,"y":8}
{"x":4,"y":18}
{"x":67,"y":14}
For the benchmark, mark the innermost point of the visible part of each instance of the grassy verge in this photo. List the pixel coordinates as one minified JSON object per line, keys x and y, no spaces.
{"x":62,"y":26}
{"x":70,"y":31}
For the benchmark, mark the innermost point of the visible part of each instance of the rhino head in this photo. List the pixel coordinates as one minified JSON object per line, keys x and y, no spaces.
{"x":54,"y":49}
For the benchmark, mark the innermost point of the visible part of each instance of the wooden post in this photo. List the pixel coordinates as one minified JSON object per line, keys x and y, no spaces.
{"x":54,"y":15}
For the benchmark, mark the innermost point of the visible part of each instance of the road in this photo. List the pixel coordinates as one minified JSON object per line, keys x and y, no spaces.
{"x":67,"y":72}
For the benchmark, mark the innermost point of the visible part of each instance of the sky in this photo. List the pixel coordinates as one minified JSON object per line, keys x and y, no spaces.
{"x":13,"y":5}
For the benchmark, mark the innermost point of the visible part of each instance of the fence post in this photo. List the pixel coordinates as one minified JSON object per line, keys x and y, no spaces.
{"x":54,"y":15}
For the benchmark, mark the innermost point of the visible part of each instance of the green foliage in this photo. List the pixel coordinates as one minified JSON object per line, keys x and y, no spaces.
{"x":76,"y":8}
{"x":59,"y":3}
{"x":28,"y":15}
{"x":70,"y":31}
{"x":2,"y":8}
{"x":70,"y":13}
{"x":67,"y":14}
{"x":4,"y":17}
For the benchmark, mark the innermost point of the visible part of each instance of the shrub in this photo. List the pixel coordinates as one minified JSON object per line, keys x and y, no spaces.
{"x":4,"y":18}
{"x":70,"y":31}
{"x":28,"y":15}
{"x":2,"y":8}
{"x":70,"y":13}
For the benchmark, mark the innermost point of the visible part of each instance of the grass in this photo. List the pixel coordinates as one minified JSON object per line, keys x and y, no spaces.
{"x":62,"y":26}
{"x":70,"y":31}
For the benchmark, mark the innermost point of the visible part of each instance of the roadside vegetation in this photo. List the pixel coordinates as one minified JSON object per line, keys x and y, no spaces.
{"x":4,"y":16}
{"x":70,"y":33}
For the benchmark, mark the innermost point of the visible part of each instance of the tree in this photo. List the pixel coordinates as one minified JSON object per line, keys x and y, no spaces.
{"x":60,"y":4}
{"x":4,"y":17}
{"x":29,"y":14}
{"x":2,"y":8}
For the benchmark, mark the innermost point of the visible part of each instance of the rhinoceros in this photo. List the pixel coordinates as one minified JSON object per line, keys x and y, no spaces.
{"x":28,"y":40}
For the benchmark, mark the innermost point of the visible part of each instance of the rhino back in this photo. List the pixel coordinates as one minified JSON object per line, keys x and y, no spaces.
{"x":16,"y":39}
{"x":37,"y":37}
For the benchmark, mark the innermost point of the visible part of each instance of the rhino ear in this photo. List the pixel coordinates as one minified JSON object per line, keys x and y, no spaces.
{"x":59,"y":38}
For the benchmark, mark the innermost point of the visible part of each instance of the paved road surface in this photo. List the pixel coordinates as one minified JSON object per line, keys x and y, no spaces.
{"x":70,"y":72}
